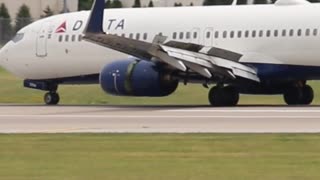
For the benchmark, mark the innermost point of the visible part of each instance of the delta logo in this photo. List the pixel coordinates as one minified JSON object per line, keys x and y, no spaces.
{"x":62,"y":28}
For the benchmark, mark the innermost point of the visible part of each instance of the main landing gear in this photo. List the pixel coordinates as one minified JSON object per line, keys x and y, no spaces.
{"x":51,"y":98}
{"x":220,"y":96}
{"x":296,"y":95}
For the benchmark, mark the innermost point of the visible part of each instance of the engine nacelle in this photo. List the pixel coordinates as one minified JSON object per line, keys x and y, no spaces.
{"x":136,"y":78}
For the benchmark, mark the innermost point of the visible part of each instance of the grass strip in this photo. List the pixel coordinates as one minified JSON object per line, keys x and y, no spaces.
{"x":159,"y":156}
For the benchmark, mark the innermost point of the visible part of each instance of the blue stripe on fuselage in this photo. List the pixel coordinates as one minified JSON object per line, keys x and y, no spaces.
{"x":286,"y":72}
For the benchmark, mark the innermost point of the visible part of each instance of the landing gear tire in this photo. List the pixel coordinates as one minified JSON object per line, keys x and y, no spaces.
{"x":308,"y":95}
{"x":232,"y":96}
{"x":223,"y":96}
{"x":51,"y":98}
{"x":293,"y":96}
{"x":215,"y":97}
{"x":299,"y":95}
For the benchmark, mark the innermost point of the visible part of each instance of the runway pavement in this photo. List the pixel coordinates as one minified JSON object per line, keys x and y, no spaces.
{"x":157,"y":119}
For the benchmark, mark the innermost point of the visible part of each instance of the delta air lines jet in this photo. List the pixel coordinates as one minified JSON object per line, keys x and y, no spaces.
{"x":246,"y":49}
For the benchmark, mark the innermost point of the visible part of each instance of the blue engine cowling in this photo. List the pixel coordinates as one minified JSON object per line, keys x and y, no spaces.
{"x":136,"y":78}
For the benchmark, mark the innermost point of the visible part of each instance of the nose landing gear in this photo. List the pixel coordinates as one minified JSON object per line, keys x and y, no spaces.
{"x":51,"y":98}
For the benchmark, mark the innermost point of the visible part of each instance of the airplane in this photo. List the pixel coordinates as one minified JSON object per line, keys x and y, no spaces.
{"x":241,"y":49}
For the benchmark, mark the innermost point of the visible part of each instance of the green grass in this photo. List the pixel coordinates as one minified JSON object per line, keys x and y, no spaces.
{"x":11,"y":91}
{"x":159,"y":157}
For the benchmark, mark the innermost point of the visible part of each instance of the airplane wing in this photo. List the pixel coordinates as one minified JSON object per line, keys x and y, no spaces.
{"x":181,"y":59}
{"x":182,"y":56}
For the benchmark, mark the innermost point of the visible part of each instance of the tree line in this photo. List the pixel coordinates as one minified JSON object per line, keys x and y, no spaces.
{"x":86,"y":4}
{"x":226,"y":2}
{"x":7,"y":29}
{"x":23,"y":18}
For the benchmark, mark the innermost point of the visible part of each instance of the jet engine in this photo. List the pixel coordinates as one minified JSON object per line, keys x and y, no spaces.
{"x":132,"y":77}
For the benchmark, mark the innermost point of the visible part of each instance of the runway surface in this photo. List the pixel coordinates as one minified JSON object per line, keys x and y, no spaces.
{"x":157,"y":119}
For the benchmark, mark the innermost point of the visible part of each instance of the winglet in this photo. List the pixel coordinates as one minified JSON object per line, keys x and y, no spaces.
{"x":95,"y":21}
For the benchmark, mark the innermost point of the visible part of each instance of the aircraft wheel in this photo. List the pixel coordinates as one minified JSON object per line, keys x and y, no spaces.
{"x":215,"y":96}
{"x":226,"y":96}
{"x":308,"y":95}
{"x":293,"y":96}
{"x":51,"y":98}
{"x":232,"y":96}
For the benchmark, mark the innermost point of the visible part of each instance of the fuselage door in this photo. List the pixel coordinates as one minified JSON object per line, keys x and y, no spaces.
{"x":208,"y":37}
{"x":41,"y":45}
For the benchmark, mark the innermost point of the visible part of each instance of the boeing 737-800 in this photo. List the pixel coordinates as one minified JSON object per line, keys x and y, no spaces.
{"x":245,"y":49}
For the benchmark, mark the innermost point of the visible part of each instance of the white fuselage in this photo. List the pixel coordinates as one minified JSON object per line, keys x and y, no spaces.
{"x":287,"y":35}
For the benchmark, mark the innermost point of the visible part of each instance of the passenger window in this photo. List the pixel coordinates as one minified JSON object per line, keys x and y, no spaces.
{"x":232,"y":34}
{"x":131,"y":35}
{"x":246,"y":34}
{"x":195,"y":35}
{"x":254,"y":33}
{"x":188,"y":35}
{"x":284,"y":33}
{"x":123,"y":35}
{"x":80,"y":38}
{"x":145,"y":36}
{"x":67,"y":38}
{"x":60,"y":38}
{"x":315,"y":32}
{"x":291,"y":33}
{"x":73,"y":38}
{"x":239,"y":34}
{"x":174,"y":36}
{"x":261,"y":33}
{"x":268,"y":33}
{"x":307,"y":32}
{"x":216,"y":34}
{"x":181,"y":35}
{"x":138,"y":36}
{"x":208,"y":35}
{"x":225,"y":34}
{"x":276,"y":33}
{"x":299,"y":32}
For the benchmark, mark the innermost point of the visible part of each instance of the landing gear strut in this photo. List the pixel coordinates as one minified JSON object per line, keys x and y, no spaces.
{"x":223,"y":96}
{"x":51,"y":98}
{"x":299,"y":95}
